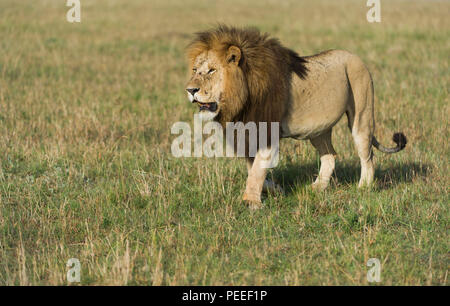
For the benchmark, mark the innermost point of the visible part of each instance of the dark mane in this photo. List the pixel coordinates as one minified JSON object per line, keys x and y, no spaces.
{"x":267,"y":66}
{"x":254,"y":45}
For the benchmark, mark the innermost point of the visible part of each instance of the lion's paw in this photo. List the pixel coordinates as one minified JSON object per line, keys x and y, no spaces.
{"x":252,"y":205}
{"x":253,"y":201}
{"x":319,"y":186}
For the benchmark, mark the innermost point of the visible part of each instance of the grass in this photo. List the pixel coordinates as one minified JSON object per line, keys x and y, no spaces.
{"x":86,"y":170}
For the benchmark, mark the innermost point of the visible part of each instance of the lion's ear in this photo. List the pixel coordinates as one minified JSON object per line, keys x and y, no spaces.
{"x":233,"y":55}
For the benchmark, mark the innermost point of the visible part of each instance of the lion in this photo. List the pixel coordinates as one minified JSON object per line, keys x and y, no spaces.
{"x":241,"y":75}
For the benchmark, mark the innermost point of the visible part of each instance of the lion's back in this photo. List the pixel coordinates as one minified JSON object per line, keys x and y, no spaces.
{"x":331,"y":58}
{"x":318,"y":101}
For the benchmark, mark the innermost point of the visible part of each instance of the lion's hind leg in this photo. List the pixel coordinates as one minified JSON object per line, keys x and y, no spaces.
{"x":361,"y":120}
{"x":327,"y":160}
{"x":363,"y":143}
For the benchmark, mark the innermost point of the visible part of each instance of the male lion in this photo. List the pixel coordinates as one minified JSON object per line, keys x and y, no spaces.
{"x":240,"y":75}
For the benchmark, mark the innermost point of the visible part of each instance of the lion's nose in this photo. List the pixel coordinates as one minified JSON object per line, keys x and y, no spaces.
{"x":192,"y":91}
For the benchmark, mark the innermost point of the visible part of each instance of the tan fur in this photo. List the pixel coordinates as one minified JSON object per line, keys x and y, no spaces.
{"x":257,"y":79}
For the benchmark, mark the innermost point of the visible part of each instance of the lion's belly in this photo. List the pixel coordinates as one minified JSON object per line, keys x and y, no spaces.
{"x":318,"y":102}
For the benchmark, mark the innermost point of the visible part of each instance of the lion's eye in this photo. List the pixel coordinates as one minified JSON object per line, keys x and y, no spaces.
{"x":211,"y":71}
{"x":194,"y":70}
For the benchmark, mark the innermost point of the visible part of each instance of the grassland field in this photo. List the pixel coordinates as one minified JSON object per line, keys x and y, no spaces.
{"x":86,"y":169}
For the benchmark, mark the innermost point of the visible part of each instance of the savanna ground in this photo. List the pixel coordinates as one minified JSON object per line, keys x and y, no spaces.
{"x":87,"y":172}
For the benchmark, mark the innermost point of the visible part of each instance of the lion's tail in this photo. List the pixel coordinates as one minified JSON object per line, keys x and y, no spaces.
{"x":398,"y":138}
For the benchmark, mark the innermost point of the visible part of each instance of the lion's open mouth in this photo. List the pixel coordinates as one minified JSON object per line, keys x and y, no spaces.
{"x":210,"y":106}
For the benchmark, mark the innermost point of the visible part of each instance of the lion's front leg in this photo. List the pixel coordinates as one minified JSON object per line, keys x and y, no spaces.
{"x":256,"y":176}
{"x":253,"y":188}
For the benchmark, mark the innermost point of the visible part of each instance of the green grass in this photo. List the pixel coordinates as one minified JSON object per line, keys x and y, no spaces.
{"x":86,"y":169}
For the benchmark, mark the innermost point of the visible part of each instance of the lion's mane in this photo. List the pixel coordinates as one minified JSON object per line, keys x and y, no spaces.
{"x":267,"y":67}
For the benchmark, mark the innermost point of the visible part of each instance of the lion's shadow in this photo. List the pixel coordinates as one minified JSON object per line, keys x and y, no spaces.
{"x":293,"y":175}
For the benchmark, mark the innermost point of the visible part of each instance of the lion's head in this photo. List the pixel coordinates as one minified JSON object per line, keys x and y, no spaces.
{"x":217,"y":83}
{"x":240,"y":75}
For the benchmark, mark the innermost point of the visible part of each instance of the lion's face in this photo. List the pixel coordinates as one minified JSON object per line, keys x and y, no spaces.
{"x":217,"y":84}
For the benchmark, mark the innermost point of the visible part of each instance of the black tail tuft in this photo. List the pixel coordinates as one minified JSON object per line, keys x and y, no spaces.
{"x":400,"y":139}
